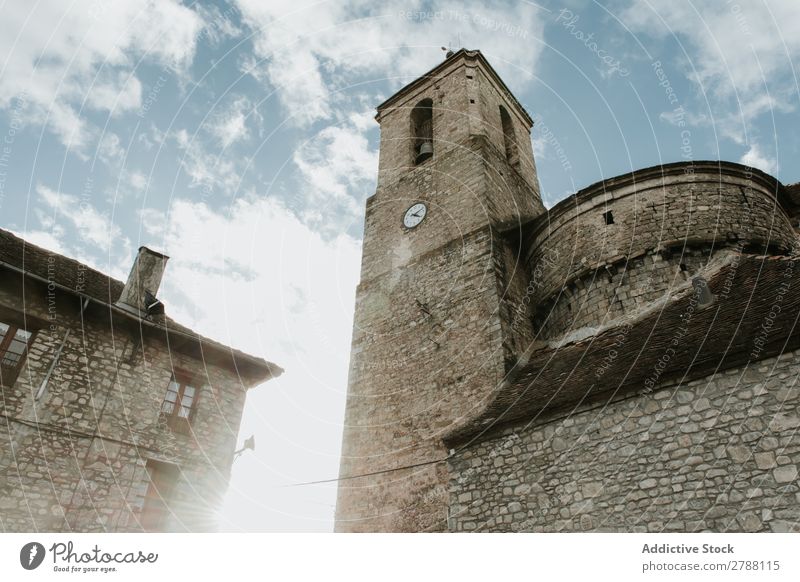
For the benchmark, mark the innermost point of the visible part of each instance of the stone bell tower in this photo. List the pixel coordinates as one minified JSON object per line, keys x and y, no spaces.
{"x":435,"y":328}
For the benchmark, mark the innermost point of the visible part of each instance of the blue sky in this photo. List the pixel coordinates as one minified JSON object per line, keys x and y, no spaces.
{"x":238,"y":137}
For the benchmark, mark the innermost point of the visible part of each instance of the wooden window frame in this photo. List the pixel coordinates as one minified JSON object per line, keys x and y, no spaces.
{"x":9,"y":374}
{"x":173,"y":418}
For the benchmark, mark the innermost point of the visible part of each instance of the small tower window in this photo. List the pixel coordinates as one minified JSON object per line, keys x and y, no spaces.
{"x":180,"y":403}
{"x":509,"y":139}
{"x":422,"y":131}
{"x":608,"y":217}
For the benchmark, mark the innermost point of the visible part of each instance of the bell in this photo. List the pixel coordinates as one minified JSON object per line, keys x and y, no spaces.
{"x":425,"y":151}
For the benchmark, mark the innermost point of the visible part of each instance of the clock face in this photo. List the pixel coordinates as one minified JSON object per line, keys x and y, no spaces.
{"x":414,"y":215}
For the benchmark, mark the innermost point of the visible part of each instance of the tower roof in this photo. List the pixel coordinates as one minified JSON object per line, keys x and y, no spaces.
{"x":463,"y":55}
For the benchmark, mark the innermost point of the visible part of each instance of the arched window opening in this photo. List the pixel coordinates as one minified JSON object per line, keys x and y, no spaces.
{"x":422,"y":130}
{"x":509,"y":139}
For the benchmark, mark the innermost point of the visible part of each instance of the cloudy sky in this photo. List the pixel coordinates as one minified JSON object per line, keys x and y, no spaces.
{"x":238,"y":137}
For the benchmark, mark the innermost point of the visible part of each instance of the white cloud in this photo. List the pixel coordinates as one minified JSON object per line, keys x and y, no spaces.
{"x":93,"y":226}
{"x":676,"y":117}
{"x":61,"y":55}
{"x":151,"y":136}
{"x":206,"y":170}
{"x":46,"y":239}
{"x":109,"y":150}
{"x":310,"y":49}
{"x":137,"y":180}
{"x":336,"y":167}
{"x":75,"y":227}
{"x":741,"y":53}
{"x":336,"y":163}
{"x":255,"y":277}
{"x":218,"y":25}
{"x":755,"y":158}
{"x":540,"y":146}
{"x":363,"y":120}
{"x":125,"y":182}
{"x":234,"y":123}
{"x":122,"y":93}
{"x":153,"y":222}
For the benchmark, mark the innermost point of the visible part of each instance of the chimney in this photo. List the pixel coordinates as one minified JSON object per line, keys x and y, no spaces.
{"x":142,"y":285}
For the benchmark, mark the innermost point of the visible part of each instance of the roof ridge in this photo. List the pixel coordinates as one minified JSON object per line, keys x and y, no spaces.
{"x":81,"y":279}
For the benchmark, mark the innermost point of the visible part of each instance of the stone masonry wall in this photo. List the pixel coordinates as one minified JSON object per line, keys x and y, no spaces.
{"x":428,"y":340}
{"x":426,"y":349}
{"x":716,"y":454}
{"x":75,"y":459}
{"x":489,"y":97}
{"x":584,"y":271}
{"x":466,"y":102}
{"x":618,"y":290}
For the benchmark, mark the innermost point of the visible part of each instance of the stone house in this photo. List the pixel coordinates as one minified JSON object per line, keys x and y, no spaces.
{"x":113,"y":416}
{"x":626,"y":360}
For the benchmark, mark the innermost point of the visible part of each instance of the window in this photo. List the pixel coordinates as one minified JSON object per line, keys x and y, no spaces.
{"x":509,"y":138}
{"x":14,"y":342}
{"x":180,"y":402}
{"x":608,"y":217}
{"x":422,"y":131}
{"x":159,"y":492}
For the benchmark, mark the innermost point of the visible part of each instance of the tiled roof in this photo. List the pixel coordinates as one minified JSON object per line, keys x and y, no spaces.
{"x":727,"y":334}
{"x":83,"y":280}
